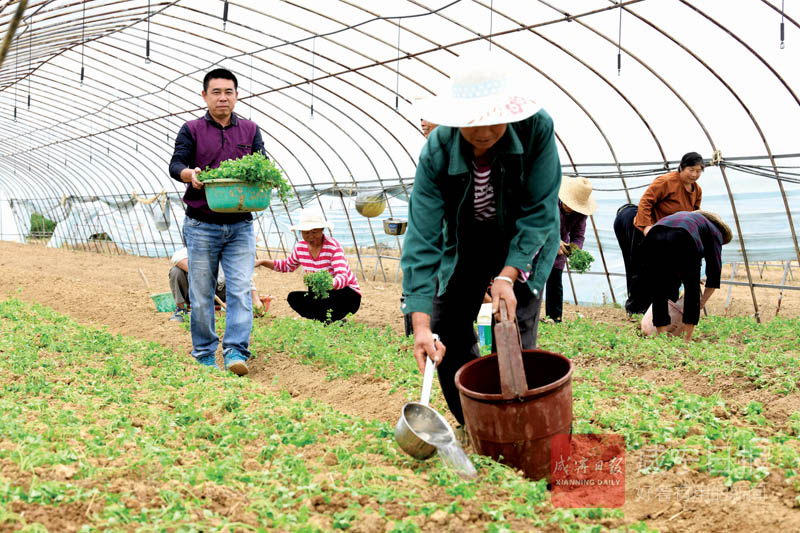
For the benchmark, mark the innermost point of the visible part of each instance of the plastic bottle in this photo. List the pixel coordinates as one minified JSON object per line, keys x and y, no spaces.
{"x":485,"y":325}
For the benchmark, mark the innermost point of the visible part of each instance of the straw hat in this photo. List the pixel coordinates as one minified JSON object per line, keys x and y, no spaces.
{"x":719,"y":223}
{"x":311,"y":218}
{"x":577,"y":194}
{"x":485,"y":89}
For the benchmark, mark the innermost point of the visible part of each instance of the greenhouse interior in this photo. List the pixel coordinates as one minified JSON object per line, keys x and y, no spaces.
{"x":398,"y":343}
{"x":93,"y":93}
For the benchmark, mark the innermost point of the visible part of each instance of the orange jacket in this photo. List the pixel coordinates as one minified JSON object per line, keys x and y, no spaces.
{"x":665,"y":196}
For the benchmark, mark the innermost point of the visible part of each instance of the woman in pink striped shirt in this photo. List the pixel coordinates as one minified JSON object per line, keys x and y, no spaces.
{"x":318,"y":251}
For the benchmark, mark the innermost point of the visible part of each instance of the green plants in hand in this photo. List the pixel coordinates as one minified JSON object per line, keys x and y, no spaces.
{"x":319,"y":283}
{"x":579,"y":260}
{"x":254,"y":168}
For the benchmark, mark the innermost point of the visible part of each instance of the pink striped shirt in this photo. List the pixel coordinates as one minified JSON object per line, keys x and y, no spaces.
{"x":331,"y":258}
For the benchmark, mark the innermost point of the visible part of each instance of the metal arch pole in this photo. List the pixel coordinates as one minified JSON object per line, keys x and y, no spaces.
{"x":722,"y":167}
{"x":368,"y":158}
{"x":596,"y":236}
{"x":561,"y":88}
{"x":697,"y":118}
{"x":763,"y":138}
{"x":575,"y":168}
{"x":595,"y":72}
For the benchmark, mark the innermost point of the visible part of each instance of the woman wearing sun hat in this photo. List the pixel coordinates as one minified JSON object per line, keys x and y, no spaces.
{"x":673,"y":249}
{"x":483,"y":209}
{"x":317,"y":251}
{"x":575,"y":204}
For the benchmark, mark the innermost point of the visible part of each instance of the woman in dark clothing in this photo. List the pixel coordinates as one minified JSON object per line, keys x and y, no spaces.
{"x":669,"y":193}
{"x":673,"y":249}
{"x":575,"y":204}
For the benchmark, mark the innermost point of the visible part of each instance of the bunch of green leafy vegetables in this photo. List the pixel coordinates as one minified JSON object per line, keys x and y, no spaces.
{"x":579,"y":260}
{"x":319,"y":283}
{"x":254,"y":168}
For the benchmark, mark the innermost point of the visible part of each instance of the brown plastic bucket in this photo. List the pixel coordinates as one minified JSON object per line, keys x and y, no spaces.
{"x":518,"y":429}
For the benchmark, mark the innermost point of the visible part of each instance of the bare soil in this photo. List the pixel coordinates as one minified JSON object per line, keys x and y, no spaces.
{"x":107,"y":290}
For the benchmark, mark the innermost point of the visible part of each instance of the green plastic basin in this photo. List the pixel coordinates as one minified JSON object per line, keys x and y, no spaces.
{"x":233,"y":196}
{"x":165,"y":303}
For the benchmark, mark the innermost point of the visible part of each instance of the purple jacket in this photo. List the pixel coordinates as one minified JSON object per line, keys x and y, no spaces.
{"x":204,"y":143}
{"x":573,"y":227}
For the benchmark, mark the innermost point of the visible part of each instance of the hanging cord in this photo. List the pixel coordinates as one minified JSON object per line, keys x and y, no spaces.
{"x":30,"y":58}
{"x":16,"y":73}
{"x":162,"y":196}
{"x":137,"y":122}
{"x":313,"y":71}
{"x":169,"y":98}
{"x":12,"y":29}
{"x":83,"y":39}
{"x":491,"y":19}
{"x":397,"y":69}
{"x":250,"y":96}
{"x":619,"y":41}
{"x":108,"y":135}
{"x":147,"y":42}
{"x":782,"y":43}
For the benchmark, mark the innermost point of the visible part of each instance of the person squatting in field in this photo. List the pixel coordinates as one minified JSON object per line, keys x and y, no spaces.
{"x":317,"y":251}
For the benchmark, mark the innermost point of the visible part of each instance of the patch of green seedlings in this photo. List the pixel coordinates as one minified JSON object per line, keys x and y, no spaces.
{"x":133,"y":436}
{"x":342,"y":349}
{"x":765,"y":355}
{"x":319,"y":283}
{"x":579,"y":260}
{"x":254,"y":168}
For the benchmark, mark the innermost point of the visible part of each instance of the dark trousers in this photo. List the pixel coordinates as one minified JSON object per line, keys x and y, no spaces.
{"x":630,"y":241}
{"x":339,"y":304}
{"x":672,"y":259}
{"x":554,"y":295}
{"x":179,"y":285}
{"x":455,"y":311}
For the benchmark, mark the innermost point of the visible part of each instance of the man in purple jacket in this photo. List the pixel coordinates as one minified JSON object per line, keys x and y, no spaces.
{"x":213,"y":238}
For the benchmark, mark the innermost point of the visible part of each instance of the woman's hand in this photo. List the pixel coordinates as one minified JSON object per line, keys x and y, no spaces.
{"x":503,"y":290}
{"x":562,"y":248}
{"x":423,"y":341}
{"x":269,"y":263}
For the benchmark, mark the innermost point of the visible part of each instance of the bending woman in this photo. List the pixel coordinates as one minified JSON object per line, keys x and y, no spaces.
{"x":673,"y":249}
{"x":315,"y":252}
{"x":667,"y":194}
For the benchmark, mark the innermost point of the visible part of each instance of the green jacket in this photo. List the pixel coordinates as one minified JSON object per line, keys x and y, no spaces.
{"x":526,"y":174}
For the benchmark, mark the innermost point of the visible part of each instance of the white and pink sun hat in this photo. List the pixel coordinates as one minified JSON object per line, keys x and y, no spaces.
{"x":485,"y":89}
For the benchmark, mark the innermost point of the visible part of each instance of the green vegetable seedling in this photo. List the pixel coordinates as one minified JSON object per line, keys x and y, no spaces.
{"x":254,"y":168}
{"x":319,"y":283}
{"x":579,"y":260}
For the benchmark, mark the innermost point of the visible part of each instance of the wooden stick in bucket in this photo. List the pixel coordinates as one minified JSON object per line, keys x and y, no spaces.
{"x":513,"y":383}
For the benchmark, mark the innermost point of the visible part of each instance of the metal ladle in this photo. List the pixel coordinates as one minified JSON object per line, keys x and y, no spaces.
{"x":422,"y":431}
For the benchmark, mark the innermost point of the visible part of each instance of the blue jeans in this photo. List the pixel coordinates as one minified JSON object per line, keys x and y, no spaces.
{"x":233,"y":246}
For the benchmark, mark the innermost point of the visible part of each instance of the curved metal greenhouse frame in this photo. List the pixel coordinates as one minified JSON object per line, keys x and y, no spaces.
{"x":92,"y":94}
